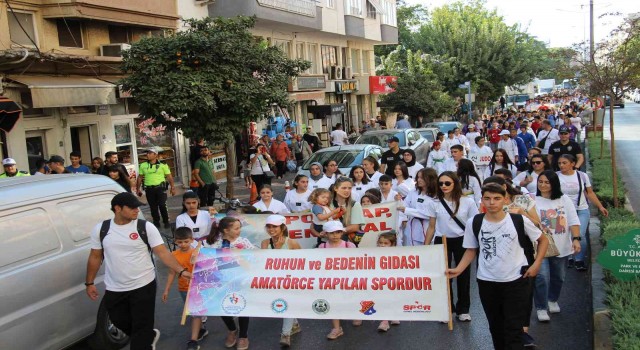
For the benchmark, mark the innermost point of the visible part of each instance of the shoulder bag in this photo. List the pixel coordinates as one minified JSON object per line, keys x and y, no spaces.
{"x":446,"y":207}
{"x":269,"y":174}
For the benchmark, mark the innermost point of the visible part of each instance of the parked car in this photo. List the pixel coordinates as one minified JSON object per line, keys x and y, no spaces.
{"x":429,"y":133}
{"x":45,"y":223}
{"x":617,"y":103}
{"x":444,"y":126}
{"x":409,"y":138}
{"x":346,"y":156}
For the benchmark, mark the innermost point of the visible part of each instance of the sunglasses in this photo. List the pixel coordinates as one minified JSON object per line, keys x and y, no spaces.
{"x":445,"y":183}
{"x":537,"y":162}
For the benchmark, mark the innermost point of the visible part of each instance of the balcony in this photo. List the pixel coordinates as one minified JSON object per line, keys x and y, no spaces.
{"x":287,"y":14}
{"x":354,"y":26}
{"x":389,"y":34}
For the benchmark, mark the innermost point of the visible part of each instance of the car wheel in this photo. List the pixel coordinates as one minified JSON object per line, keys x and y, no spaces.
{"x":107,"y":336}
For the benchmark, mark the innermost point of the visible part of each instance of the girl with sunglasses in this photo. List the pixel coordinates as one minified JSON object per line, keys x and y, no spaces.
{"x":448,"y":217}
{"x":529,"y":179}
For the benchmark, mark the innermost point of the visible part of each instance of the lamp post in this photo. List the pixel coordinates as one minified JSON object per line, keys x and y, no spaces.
{"x":467,"y":85}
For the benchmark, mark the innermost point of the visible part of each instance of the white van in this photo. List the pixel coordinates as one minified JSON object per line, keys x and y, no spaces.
{"x":45,"y":223}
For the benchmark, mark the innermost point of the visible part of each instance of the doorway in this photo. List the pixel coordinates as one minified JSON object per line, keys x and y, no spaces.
{"x":36,"y":147}
{"x":81,"y":141}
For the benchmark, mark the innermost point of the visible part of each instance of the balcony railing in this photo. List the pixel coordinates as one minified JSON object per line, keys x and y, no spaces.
{"x":302,"y":7}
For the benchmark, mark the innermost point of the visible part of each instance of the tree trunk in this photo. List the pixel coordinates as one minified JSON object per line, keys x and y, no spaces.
{"x":602,"y":132}
{"x":230,"y":154}
{"x":614,"y":171}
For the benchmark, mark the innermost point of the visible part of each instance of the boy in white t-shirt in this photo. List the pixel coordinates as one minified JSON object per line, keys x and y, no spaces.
{"x":504,"y":273}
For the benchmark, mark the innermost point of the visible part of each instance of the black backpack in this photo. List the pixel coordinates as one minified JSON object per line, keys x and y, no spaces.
{"x":523,"y":239}
{"x":142,"y":231}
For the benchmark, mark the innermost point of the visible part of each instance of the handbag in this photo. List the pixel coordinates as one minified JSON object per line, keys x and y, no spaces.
{"x":269,"y":174}
{"x":552,"y":249}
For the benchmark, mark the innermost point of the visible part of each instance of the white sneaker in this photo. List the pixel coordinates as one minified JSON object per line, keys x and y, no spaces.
{"x":155,"y":339}
{"x":464,"y":317}
{"x":554,"y":308}
{"x":543,"y":316}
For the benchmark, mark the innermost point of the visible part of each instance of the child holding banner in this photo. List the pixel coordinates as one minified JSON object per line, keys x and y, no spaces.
{"x":268,"y":203}
{"x":322,"y":213}
{"x":297,"y":199}
{"x":279,"y":239}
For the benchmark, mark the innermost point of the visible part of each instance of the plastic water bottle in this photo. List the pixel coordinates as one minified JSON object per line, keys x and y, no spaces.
{"x":287,"y":186}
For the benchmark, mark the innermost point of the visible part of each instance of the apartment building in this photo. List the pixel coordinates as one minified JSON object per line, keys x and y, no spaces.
{"x":60,"y":60}
{"x":338,"y":38}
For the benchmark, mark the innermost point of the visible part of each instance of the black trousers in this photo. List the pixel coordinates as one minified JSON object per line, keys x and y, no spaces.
{"x":506,"y":305}
{"x":281,"y":167}
{"x":455,"y":251}
{"x":133,"y":313}
{"x":157,"y":198}
{"x":231,"y":325}
{"x":207,"y":194}
{"x":260,"y":180}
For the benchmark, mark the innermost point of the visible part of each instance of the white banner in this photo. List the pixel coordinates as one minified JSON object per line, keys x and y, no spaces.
{"x":397,"y":283}
{"x":480,"y":159}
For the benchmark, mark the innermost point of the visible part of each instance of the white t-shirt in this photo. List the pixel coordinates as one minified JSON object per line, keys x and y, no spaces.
{"x":557,"y":215}
{"x":323,"y":182}
{"x":413,"y":170}
{"x":358,"y":190}
{"x":532,"y":187}
{"x":577,"y":122}
{"x":260,"y":166}
{"x":390,"y":198}
{"x":445,"y":225}
{"x":338,"y":137}
{"x":570,"y":187}
{"x":501,"y":257}
{"x":275,"y":207}
{"x":200,"y":228}
{"x":373,"y":179}
{"x":297,"y":202}
{"x":127,"y":261}
{"x":471,"y":137}
{"x":511,"y":146}
{"x":553,"y":137}
{"x":450,"y":164}
{"x":512,"y":168}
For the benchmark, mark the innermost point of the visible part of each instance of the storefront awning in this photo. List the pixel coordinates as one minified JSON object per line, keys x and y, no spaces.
{"x":321,"y":111}
{"x":115,"y":79}
{"x":9,"y":114}
{"x":50,"y":91}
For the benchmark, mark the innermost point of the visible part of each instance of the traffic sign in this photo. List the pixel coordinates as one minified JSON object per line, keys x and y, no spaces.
{"x":622,"y":256}
{"x":599,"y":103}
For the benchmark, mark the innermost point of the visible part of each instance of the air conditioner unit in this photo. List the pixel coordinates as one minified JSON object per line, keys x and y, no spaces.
{"x":338,"y":75}
{"x":113,"y":50}
{"x":346,"y":73}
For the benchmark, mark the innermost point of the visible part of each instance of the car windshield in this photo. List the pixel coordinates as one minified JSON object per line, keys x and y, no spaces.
{"x":517,"y":98}
{"x":444,"y":127}
{"x":427,"y":135}
{"x":380,"y":139}
{"x":344,"y":158}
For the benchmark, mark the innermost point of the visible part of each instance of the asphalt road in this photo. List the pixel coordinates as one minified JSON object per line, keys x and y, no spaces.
{"x":570,"y":329}
{"x":627,"y":131}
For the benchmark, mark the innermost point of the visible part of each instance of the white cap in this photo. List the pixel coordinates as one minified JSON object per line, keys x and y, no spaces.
{"x":333,"y":226}
{"x":504,"y":132}
{"x":9,"y":161}
{"x":276,"y":220}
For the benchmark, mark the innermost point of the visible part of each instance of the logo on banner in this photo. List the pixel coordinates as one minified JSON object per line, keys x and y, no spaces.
{"x":416,"y":307}
{"x":279,"y":306}
{"x":320,"y":306}
{"x":233,"y":303}
{"x":367,"y":307}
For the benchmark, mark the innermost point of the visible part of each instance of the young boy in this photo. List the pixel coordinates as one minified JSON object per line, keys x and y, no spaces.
{"x":75,"y":166}
{"x":388,"y":195}
{"x":505,"y":275}
{"x":183,"y":238}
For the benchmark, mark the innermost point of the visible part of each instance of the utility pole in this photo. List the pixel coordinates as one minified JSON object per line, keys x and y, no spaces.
{"x":591,"y":39}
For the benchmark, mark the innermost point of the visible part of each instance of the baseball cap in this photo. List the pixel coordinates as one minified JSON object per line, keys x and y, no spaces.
{"x":153,"y":150}
{"x":276,"y":220}
{"x":9,"y":161}
{"x":56,"y":159}
{"x":563,"y":129}
{"x":393,"y":139}
{"x":504,"y":132}
{"x":333,"y":226}
{"x":125,"y":199}
{"x":471,"y":126}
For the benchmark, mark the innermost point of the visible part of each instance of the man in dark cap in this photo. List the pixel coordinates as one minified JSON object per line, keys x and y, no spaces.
{"x":392,"y":156}
{"x":56,"y":164}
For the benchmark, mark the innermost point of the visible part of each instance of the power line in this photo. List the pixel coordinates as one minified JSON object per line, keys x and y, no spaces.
{"x":21,"y":27}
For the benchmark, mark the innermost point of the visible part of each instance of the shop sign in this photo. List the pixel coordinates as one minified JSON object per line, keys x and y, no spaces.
{"x":346,"y":87}
{"x":220,"y":163}
{"x":305,"y":83}
{"x":381,"y":84}
{"x":621,"y":256}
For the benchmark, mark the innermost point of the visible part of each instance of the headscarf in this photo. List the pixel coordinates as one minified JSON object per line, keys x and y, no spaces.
{"x":413,"y":157}
{"x":316,"y":177}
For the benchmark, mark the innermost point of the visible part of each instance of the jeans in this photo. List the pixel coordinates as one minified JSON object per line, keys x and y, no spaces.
{"x":549,"y":281}
{"x":287,"y":325}
{"x":133,"y":313}
{"x":583,"y":216}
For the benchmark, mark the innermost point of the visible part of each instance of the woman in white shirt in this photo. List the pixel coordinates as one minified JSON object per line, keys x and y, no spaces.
{"x":416,"y":206}
{"x":452,"y":226}
{"x":479,"y":148}
{"x":469,"y":180}
{"x":268,"y":203}
{"x":576,"y":185}
{"x":500,"y":160}
{"x":199,"y":221}
{"x":557,"y":216}
{"x":371,"y":166}
{"x":401,"y":182}
{"x":297,"y":198}
{"x":361,"y":182}
{"x":409,"y":157}
{"x":260,"y":162}
{"x":331,"y":170}
{"x":316,"y":178}
{"x":529,"y":179}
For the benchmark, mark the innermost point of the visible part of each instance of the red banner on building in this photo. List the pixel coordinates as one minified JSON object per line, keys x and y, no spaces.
{"x":382,"y":84}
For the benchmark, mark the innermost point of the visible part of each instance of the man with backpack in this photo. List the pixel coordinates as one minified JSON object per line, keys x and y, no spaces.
{"x":126,"y":244}
{"x":506,"y":266}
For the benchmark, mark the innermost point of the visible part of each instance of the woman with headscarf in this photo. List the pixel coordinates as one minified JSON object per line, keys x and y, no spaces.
{"x":301,"y":149}
{"x":409,"y":157}
{"x":317,"y":179}
{"x":312,"y":139}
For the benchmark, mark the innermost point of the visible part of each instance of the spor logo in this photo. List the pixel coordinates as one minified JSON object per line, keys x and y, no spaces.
{"x":133,"y":236}
{"x":320,"y":306}
{"x":233,"y":303}
{"x":416,"y":307}
{"x":366,"y":307}
{"x":279,"y":306}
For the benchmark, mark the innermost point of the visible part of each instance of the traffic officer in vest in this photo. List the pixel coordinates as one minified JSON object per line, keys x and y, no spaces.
{"x":10,"y":169}
{"x":155,"y":176}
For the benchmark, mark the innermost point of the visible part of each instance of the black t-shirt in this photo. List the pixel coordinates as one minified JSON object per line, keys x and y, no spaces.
{"x":390,"y":159}
{"x":557,"y":149}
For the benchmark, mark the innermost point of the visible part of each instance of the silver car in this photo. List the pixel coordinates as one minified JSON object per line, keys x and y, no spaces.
{"x":346,"y":156}
{"x":409,"y":138}
{"x":45,"y":224}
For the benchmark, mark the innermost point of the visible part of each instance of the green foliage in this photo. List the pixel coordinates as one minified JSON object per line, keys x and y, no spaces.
{"x":557,"y":64}
{"x":408,"y":18}
{"x":601,"y":172}
{"x":209,"y":80}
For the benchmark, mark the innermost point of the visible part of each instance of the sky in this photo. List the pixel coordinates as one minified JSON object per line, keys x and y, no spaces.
{"x":559,"y":23}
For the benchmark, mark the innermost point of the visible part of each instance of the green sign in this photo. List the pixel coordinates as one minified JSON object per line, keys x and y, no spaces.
{"x":622,"y":256}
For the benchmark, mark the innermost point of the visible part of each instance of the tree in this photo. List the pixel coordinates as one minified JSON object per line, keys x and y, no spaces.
{"x":558,"y":64}
{"x":613,"y":69}
{"x":209,"y":81}
{"x":409,"y":18}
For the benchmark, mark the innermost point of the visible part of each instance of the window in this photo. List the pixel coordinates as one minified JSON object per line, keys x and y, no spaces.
{"x":329,"y":58}
{"x":389,"y":13}
{"x":119,"y":35}
{"x":330,"y":4}
{"x":284,"y":46}
{"x":300,"y":51}
{"x":371,"y":11}
{"x":366,"y":64}
{"x":37,"y":237}
{"x":354,"y":61}
{"x":22,"y":28}
{"x":69,"y":33}
{"x":94,"y":209}
{"x":313,"y":58}
{"x":353,"y":7}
